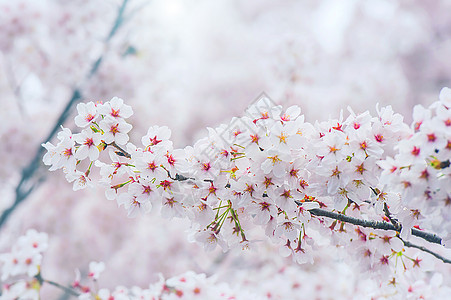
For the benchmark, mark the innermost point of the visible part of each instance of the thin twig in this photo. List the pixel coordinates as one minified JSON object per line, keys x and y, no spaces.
{"x":409,"y":244}
{"x":392,"y":220}
{"x":64,"y":288}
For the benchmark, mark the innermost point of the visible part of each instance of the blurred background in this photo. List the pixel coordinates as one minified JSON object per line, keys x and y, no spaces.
{"x":189,"y":65}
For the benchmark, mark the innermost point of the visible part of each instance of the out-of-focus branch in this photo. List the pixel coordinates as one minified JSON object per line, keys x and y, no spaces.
{"x":67,"y":290}
{"x":31,"y":178}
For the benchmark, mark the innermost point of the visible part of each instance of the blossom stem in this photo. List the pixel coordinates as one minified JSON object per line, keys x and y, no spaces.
{"x":237,"y":222}
{"x":121,"y":151}
{"x":235,"y":158}
{"x":219,"y":207}
{"x":89,"y":169}
{"x":217,"y":213}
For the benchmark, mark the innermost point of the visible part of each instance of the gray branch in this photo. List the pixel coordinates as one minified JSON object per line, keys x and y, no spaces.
{"x":430,"y":237}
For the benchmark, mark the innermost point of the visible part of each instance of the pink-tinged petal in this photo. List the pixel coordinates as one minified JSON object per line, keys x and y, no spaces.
{"x":94,"y":153}
{"x":82,"y":152}
{"x":445,"y":96}
{"x":121,"y":138}
{"x":126,"y":111}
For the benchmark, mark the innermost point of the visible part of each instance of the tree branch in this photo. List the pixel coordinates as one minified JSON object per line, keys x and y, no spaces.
{"x":62,"y":287}
{"x":430,"y":237}
{"x":121,"y":151}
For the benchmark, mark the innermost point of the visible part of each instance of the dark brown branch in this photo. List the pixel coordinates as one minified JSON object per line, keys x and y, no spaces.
{"x":392,"y":220}
{"x":385,"y":226}
{"x":121,"y":151}
{"x":430,"y":237}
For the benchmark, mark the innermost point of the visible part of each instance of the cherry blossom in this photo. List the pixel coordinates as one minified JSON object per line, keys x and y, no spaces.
{"x":89,"y":142}
{"x":87,"y":114}
{"x":95,"y":268}
{"x":25,"y":256}
{"x":116,"y":108}
{"x":115,"y":130}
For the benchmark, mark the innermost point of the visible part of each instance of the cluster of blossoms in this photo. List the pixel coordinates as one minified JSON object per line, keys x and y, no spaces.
{"x":287,"y":282}
{"x":268,"y":169}
{"x":24,"y":259}
{"x":189,"y":285}
{"x":420,"y":170}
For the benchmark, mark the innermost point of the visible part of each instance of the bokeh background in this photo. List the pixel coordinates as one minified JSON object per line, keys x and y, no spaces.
{"x":191,"y":65}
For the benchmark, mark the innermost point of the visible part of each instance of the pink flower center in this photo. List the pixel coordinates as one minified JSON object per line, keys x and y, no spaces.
{"x":254,"y":138}
{"x":206,"y":166}
{"x":89,"y":118}
{"x":338,"y":127}
{"x":212,"y":189}
{"x":415,"y":151}
{"x":285,"y":117}
{"x":294,"y":173}
{"x":165,"y":184}
{"x":424,"y":174}
{"x":417,"y":125}
{"x":89,"y":142}
{"x":114,"y":129}
{"x":379,"y":138}
{"x":67,"y":152}
{"x":151,"y":166}
{"x":336,"y":172}
{"x":115,"y":113}
{"x":360,"y":169}
{"x":170,"y":202}
{"x":154,"y":141}
{"x":265,"y":206}
{"x":147,"y":189}
{"x":171,"y":159}
{"x":267,"y":182}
